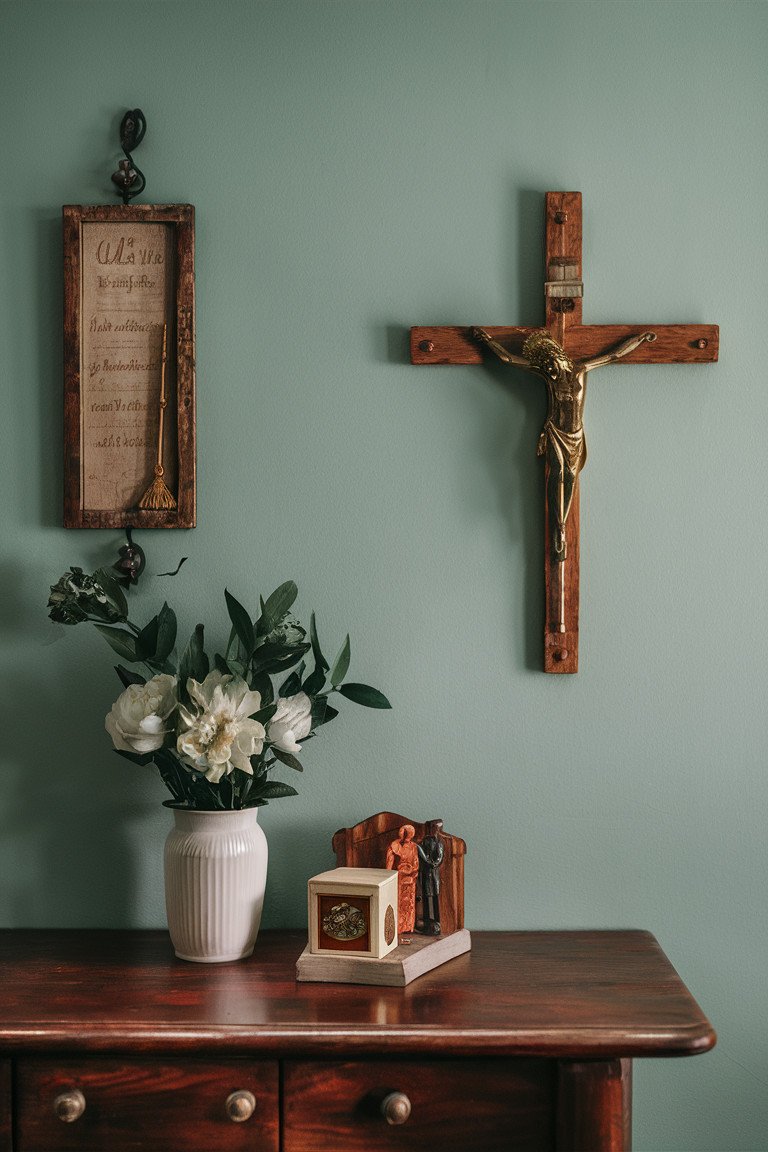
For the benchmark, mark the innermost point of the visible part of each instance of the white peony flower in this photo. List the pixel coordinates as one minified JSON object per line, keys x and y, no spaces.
{"x":291,"y":722}
{"x":215,"y":733}
{"x":137,"y":722}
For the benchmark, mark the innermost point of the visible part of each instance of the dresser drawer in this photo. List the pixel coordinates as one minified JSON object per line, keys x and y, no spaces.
{"x":483,"y":1105}
{"x":182,"y":1106}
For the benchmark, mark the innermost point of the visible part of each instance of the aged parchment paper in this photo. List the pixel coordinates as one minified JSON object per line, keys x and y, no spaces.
{"x":127,"y":296}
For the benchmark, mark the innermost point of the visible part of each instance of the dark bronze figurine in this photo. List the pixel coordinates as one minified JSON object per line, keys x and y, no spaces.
{"x":431,"y":853}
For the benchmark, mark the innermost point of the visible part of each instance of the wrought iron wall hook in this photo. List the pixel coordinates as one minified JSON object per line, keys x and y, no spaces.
{"x":132,"y":560}
{"x":129,"y":178}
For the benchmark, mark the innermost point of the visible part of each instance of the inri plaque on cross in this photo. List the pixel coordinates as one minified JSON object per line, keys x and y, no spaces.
{"x":562,"y":354}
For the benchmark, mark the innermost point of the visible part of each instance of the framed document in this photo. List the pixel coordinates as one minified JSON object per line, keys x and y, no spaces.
{"x":129,"y":366}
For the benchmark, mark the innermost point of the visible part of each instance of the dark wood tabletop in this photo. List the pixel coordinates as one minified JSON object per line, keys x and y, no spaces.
{"x":580,"y":994}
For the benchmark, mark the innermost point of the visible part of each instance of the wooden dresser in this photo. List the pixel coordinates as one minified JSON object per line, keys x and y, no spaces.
{"x":109,"y":1043}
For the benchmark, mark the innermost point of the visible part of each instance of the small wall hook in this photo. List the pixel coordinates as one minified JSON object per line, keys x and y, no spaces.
{"x":128,"y":178}
{"x":132,"y":560}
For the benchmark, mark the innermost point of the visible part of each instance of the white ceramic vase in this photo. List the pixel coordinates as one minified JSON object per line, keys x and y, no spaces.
{"x":215,"y":876}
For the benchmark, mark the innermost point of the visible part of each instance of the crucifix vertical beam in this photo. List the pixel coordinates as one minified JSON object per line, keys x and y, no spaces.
{"x":563,"y":293}
{"x":586,"y":347}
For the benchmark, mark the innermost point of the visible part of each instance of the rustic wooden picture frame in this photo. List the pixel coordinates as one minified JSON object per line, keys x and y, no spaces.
{"x":111,"y":400}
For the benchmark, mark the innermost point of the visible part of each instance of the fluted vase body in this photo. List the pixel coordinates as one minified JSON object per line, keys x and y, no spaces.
{"x":215,"y":876}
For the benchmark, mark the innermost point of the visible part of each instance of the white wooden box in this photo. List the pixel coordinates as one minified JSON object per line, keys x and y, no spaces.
{"x":353,"y":912}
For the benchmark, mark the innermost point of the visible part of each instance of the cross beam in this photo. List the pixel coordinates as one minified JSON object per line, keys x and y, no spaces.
{"x":563,"y":291}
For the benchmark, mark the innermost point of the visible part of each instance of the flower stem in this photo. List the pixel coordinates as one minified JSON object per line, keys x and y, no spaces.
{"x":229,"y":643}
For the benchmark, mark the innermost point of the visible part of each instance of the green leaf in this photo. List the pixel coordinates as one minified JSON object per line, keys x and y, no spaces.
{"x":175,"y":778}
{"x":264,"y":715}
{"x":262,"y":683}
{"x":365,"y":695}
{"x":122,"y":642}
{"x":242,"y":782}
{"x":241,"y":622}
{"x":320,"y":660}
{"x":325,"y":715}
{"x":166,"y":633}
{"x":221,"y":665}
{"x":259,"y":766}
{"x":135,"y":757}
{"x":129,"y":677}
{"x":226,"y":792}
{"x":319,"y":708}
{"x":277,"y":657}
{"x":287,"y":758}
{"x":315,"y":682}
{"x":341,"y":664}
{"x":194,"y":661}
{"x":276,"y":607}
{"x":274,"y":789}
{"x":112,"y":589}
{"x":292,"y":684}
{"x":322,"y":712}
{"x":146,"y":641}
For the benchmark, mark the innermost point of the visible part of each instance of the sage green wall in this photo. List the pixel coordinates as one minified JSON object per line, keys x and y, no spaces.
{"x":358,"y":167}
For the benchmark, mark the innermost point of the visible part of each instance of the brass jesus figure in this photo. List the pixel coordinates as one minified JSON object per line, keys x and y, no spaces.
{"x":562,"y":440}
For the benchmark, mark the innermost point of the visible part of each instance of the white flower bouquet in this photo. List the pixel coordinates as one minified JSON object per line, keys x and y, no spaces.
{"x":214,"y":733}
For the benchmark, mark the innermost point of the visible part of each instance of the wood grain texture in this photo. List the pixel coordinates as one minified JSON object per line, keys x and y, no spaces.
{"x":524,"y":1043}
{"x":594,"y":1111}
{"x":135,"y":1105}
{"x":585,"y":995}
{"x":72,"y":430}
{"x":454,"y":345}
{"x":456,"y":1105}
{"x":365,"y":846}
{"x":561,"y":649}
{"x":562,"y":239}
{"x":675,"y":343}
{"x":182,"y":218}
{"x":6,"y":1107}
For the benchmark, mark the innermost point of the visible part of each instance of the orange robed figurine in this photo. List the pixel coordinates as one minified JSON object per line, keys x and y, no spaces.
{"x":407,"y":867}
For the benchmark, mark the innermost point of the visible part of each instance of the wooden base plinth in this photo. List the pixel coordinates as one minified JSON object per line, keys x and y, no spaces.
{"x":404,"y":964}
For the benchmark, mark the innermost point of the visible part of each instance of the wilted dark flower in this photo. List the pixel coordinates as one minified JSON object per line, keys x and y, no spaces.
{"x":288,"y":631}
{"x":76,"y":596}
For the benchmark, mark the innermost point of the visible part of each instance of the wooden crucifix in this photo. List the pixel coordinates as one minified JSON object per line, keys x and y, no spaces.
{"x":562,"y":353}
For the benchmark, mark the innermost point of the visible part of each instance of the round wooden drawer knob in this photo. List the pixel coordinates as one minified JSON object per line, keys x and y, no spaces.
{"x":240,"y":1106}
{"x":69,"y":1106}
{"x":396,"y":1108}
